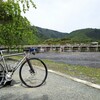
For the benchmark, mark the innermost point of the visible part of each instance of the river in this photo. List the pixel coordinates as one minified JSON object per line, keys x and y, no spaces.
{"x":91,"y":59}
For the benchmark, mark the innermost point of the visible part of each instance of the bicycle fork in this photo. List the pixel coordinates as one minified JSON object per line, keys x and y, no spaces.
{"x":32,"y":71}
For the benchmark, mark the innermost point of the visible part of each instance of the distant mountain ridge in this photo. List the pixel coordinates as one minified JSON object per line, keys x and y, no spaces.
{"x":78,"y":36}
{"x":48,"y":34}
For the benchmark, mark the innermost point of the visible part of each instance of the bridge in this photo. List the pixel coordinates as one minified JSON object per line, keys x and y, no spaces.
{"x":67,"y":48}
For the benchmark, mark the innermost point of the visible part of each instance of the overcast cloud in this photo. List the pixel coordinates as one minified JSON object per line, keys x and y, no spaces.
{"x":65,"y":15}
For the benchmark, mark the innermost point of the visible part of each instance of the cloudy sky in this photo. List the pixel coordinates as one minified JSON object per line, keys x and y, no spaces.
{"x":65,"y":15}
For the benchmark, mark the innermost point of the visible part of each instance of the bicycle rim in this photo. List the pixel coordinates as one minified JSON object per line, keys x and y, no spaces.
{"x":35,"y":75}
{"x":2,"y":76}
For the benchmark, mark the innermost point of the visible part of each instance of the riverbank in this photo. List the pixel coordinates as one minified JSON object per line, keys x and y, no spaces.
{"x":81,"y":72}
{"x":74,"y":64}
{"x":90,"y":59}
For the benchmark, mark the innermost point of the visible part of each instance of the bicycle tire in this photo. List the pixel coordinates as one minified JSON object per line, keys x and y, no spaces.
{"x":2,"y":75}
{"x":35,"y":75}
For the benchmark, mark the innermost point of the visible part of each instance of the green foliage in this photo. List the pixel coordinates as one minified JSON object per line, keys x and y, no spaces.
{"x":16,"y":33}
{"x":25,"y":4}
{"x":8,"y":11}
{"x":57,"y":41}
{"x":14,"y":29}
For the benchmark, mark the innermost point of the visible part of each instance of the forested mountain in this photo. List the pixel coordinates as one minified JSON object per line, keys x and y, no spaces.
{"x":48,"y":34}
{"x":78,"y":36}
{"x":85,"y":35}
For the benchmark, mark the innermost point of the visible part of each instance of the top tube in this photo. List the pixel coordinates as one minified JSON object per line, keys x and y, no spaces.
{"x":27,"y":50}
{"x":9,"y":55}
{"x":16,"y":54}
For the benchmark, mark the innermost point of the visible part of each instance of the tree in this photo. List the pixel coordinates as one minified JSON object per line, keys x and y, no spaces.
{"x":9,"y":9}
{"x":14,"y":29}
{"x":16,"y":33}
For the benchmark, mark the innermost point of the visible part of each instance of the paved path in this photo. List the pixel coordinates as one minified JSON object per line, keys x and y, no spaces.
{"x":56,"y":88}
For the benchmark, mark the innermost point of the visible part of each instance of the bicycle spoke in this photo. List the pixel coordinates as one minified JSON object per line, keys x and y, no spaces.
{"x":35,"y":75}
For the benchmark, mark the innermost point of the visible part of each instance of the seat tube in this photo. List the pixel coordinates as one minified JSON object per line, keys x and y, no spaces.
{"x":4,"y":62}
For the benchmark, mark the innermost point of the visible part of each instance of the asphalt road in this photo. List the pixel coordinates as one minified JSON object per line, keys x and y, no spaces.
{"x":55,"y":88}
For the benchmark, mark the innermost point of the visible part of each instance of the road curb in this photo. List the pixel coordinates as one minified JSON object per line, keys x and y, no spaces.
{"x":97,"y":86}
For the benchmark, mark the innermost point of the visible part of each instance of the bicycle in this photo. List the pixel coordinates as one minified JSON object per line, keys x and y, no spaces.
{"x":33,"y":71}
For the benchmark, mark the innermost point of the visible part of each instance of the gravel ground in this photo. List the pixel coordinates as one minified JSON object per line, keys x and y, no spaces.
{"x":55,"y":88}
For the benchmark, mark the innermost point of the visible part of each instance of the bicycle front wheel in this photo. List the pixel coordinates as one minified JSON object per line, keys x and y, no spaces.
{"x":2,"y":75}
{"x":33,"y":72}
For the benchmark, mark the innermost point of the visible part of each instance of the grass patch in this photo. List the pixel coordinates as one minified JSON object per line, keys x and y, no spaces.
{"x":82,"y":72}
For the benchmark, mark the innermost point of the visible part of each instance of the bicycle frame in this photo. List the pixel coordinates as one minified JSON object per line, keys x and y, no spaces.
{"x":16,"y":65}
{"x":27,"y":64}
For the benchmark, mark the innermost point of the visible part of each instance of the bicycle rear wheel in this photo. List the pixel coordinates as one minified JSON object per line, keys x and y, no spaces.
{"x":2,"y":76}
{"x":33,"y":75}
